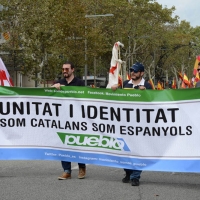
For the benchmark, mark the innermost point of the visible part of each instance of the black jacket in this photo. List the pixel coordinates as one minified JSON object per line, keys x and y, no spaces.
{"x":75,"y":82}
{"x":147,"y":85}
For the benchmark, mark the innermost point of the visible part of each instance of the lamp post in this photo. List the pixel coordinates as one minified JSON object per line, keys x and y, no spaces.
{"x":86,"y":67}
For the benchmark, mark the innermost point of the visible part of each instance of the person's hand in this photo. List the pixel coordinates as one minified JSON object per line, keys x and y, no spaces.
{"x":114,"y":87}
{"x":57,"y":86}
{"x":141,"y":87}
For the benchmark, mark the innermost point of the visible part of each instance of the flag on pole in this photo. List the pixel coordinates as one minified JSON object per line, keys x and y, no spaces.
{"x":180,"y":76}
{"x":6,"y":35}
{"x":159,"y":86}
{"x":185,"y":79}
{"x":152,"y":84}
{"x":5,"y":79}
{"x":115,"y":65}
{"x":195,"y":79}
{"x":190,"y":84}
{"x":196,"y":65}
{"x":119,"y":81}
{"x":128,"y":76}
{"x":174,"y":84}
{"x":183,"y":85}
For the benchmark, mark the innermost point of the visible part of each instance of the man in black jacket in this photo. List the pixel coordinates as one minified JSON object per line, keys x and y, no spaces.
{"x":137,"y":82}
{"x":70,"y":80}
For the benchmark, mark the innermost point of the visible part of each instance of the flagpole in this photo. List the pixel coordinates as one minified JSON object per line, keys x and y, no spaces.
{"x":121,"y":73}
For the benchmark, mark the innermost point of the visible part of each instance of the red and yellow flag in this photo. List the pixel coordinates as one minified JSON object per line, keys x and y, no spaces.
{"x":190,"y":84}
{"x":119,"y":81}
{"x":159,"y":86}
{"x":174,"y":84}
{"x":6,"y":35}
{"x":196,"y":79}
{"x":180,"y":75}
{"x":196,"y":65}
{"x":183,"y":85}
{"x":152,"y":84}
{"x":128,"y":76}
{"x":185,"y":79}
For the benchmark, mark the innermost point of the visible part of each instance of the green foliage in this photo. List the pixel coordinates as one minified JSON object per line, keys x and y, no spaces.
{"x":46,"y":33}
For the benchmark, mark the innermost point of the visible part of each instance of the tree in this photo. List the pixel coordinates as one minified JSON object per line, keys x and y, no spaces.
{"x":41,"y":29}
{"x":45,"y":33}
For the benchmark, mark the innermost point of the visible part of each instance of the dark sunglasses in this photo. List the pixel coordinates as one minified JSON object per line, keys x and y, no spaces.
{"x":198,"y":69}
{"x":65,"y":69}
{"x":133,"y":70}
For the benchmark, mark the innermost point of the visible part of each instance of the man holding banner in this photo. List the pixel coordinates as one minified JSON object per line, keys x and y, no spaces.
{"x":136,"y":82}
{"x":70,"y":80}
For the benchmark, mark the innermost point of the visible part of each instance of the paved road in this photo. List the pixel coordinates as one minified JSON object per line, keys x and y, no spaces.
{"x":35,"y":180}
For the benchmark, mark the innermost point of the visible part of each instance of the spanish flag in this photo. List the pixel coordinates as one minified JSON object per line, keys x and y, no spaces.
{"x":196,"y":65}
{"x":185,"y":79}
{"x":159,"y":86}
{"x":174,"y":84}
{"x":119,"y":81}
{"x":196,"y":79}
{"x":183,"y":85}
{"x":128,"y":76}
{"x":6,"y":35}
{"x":180,"y":75}
{"x":152,"y":84}
{"x":190,"y":84}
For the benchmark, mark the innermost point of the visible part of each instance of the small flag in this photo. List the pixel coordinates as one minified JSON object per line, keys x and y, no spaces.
{"x":159,"y":86}
{"x":119,"y":81}
{"x":152,"y":84}
{"x":5,"y":79}
{"x":196,"y":65}
{"x":174,"y":84}
{"x":6,"y":35}
{"x":183,"y":85}
{"x":128,"y":76}
{"x":185,"y":79}
{"x":196,"y":79}
{"x":190,"y":83}
{"x":180,"y":75}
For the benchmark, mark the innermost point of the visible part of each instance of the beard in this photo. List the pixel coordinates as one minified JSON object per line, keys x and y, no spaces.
{"x":66,"y":75}
{"x":136,"y":78}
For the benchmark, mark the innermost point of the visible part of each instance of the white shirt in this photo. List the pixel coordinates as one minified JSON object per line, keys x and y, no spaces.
{"x":140,"y":83}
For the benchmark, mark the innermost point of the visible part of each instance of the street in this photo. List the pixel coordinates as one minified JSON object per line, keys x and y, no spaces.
{"x":33,"y":180}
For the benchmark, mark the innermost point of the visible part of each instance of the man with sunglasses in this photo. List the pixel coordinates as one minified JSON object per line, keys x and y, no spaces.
{"x":70,"y":80}
{"x":136,"y":82}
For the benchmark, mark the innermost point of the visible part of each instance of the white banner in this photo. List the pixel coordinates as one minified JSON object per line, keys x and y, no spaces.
{"x":159,"y":135}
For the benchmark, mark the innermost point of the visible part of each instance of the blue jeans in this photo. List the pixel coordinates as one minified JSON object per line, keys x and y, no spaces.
{"x":134,"y":174}
{"x":67,"y":166}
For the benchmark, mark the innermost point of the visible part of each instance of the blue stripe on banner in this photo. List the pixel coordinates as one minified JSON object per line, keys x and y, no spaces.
{"x":168,"y":165}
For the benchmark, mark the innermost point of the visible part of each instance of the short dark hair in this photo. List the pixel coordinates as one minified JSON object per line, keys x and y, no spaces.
{"x":69,"y":63}
{"x":199,"y":64}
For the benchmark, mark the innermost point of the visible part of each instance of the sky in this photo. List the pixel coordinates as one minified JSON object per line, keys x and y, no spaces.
{"x":186,"y":9}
